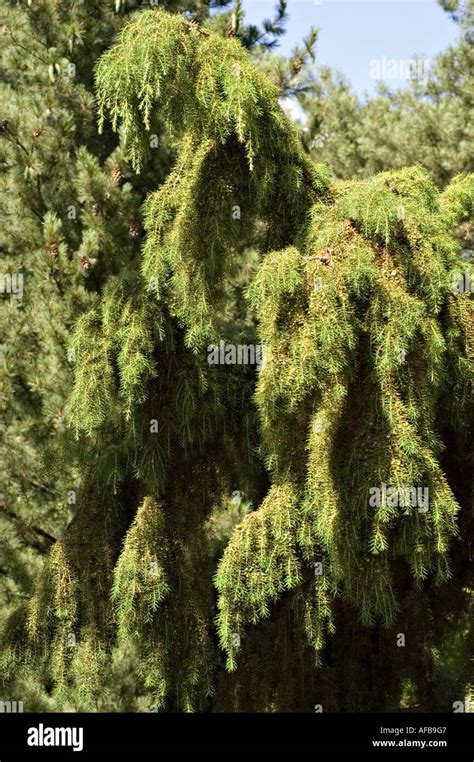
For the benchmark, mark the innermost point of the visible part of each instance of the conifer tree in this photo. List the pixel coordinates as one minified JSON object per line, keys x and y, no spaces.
{"x":366,"y":381}
{"x":71,"y":212}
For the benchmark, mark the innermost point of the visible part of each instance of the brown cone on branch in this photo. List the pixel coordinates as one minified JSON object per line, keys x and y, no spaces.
{"x":51,"y":249}
{"x":37,"y":132}
{"x":297,"y":64}
{"x":85,"y":262}
{"x":231,"y":25}
{"x":96,"y":209}
{"x":117,"y":175}
{"x":134,"y":229}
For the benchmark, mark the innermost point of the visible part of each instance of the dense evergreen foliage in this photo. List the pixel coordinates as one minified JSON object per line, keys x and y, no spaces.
{"x":366,"y":380}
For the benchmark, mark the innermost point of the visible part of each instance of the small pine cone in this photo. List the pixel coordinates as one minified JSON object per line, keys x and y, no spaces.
{"x":297,"y":64}
{"x":51,"y":249}
{"x":96,"y":209}
{"x":37,"y":132}
{"x":85,"y":263}
{"x":117,"y":175}
{"x":134,"y":229}
{"x":3,"y":125}
{"x":230,"y":31}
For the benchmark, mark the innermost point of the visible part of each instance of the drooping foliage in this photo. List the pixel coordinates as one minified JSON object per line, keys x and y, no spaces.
{"x":366,"y":381}
{"x":71,"y":218}
{"x":360,"y":325}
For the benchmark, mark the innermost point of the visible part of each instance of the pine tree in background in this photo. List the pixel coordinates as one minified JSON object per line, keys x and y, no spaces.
{"x":427,"y":122}
{"x":366,"y":381}
{"x":66,"y":229}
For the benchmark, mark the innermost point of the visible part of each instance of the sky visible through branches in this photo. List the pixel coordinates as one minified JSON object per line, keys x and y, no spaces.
{"x":354,"y":32}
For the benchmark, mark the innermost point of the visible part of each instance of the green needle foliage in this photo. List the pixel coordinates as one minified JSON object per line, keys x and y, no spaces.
{"x":366,"y":381}
{"x":71,"y":218}
{"x":357,"y":322}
